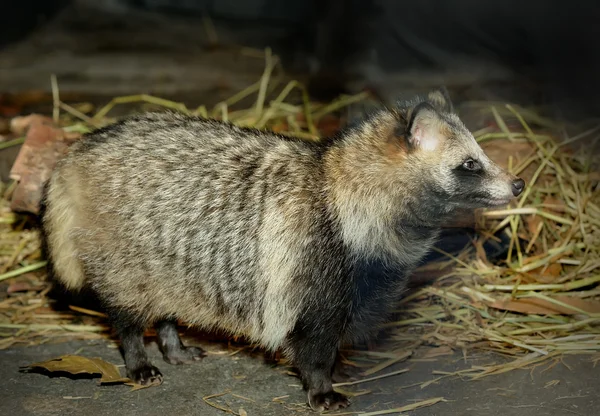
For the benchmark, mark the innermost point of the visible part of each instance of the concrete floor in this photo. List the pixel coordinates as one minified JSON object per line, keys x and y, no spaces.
{"x":566,"y":389}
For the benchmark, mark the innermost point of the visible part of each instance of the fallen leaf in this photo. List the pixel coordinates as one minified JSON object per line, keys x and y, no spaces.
{"x":544,"y":307}
{"x":554,"y":204}
{"x":279,"y":127}
{"x":532,"y":222}
{"x":7,"y":111}
{"x":19,"y":286}
{"x":20,"y":125}
{"x":329,"y":125}
{"x":554,"y":270}
{"x":76,"y":364}
{"x":44,"y":144}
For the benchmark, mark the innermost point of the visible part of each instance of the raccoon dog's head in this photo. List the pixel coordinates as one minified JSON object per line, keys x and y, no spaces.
{"x":453,"y":168}
{"x":437,"y":162}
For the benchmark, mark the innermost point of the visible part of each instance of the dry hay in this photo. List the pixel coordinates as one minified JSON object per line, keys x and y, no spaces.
{"x":541,"y":302}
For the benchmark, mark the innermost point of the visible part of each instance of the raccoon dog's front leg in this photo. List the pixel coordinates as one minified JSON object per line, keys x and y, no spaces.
{"x":313,"y":351}
{"x":173,"y":350}
{"x":131,"y":333}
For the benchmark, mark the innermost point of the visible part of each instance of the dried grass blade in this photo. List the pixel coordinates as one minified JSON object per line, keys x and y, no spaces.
{"x":366,"y":380}
{"x":23,"y":270}
{"x":407,"y":408}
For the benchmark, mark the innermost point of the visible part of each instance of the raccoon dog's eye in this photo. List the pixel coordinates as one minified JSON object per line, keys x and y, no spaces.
{"x":471,"y":164}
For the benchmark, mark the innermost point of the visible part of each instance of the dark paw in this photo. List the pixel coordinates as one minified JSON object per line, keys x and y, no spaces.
{"x":146,"y":375}
{"x":185,"y":355}
{"x":327,"y":401}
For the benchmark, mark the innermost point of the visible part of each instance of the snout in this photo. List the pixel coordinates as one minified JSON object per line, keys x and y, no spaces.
{"x":517,"y":186}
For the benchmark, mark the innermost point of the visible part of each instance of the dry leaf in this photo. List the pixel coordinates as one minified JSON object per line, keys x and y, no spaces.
{"x":554,"y":204}
{"x":75,"y":364}
{"x":544,"y":307}
{"x":19,"y":286}
{"x":532,"y":222}
{"x":280,"y":127}
{"x":545,"y":274}
{"x":554,"y":270}
{"x":328,"y":125}
{"x":20,"y":125}
{"x":44,"y":145}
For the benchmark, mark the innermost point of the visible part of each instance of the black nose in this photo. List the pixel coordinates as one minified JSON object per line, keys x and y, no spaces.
{"x":517,"y":186}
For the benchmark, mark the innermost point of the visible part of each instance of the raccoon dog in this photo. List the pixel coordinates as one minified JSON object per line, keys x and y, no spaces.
{"x":168,"y":217}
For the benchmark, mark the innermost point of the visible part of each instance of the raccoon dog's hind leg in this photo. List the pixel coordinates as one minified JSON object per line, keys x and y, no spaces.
{"x":173,"y":350}
{"x":131,"y":333}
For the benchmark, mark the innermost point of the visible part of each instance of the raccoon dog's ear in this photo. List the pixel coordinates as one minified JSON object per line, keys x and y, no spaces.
{"x":440,"y":99}
{"x":423,"y":130}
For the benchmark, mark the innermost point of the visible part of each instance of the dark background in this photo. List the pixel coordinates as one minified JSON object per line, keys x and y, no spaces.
{"x":549,"y":48}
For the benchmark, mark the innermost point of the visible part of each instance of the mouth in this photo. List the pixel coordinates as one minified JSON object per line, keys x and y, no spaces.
{"x":497,"y":202}
{"x":491,"y":203}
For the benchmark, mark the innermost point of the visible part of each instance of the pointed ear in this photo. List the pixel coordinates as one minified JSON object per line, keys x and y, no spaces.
{"x":440,"y":99}
{"x":424,"y":128}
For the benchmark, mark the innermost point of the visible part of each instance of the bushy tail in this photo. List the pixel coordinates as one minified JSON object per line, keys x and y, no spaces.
{"x":58,"y":220}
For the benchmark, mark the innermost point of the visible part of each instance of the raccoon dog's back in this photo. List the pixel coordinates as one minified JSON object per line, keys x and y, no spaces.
{"x":168,"y":216}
